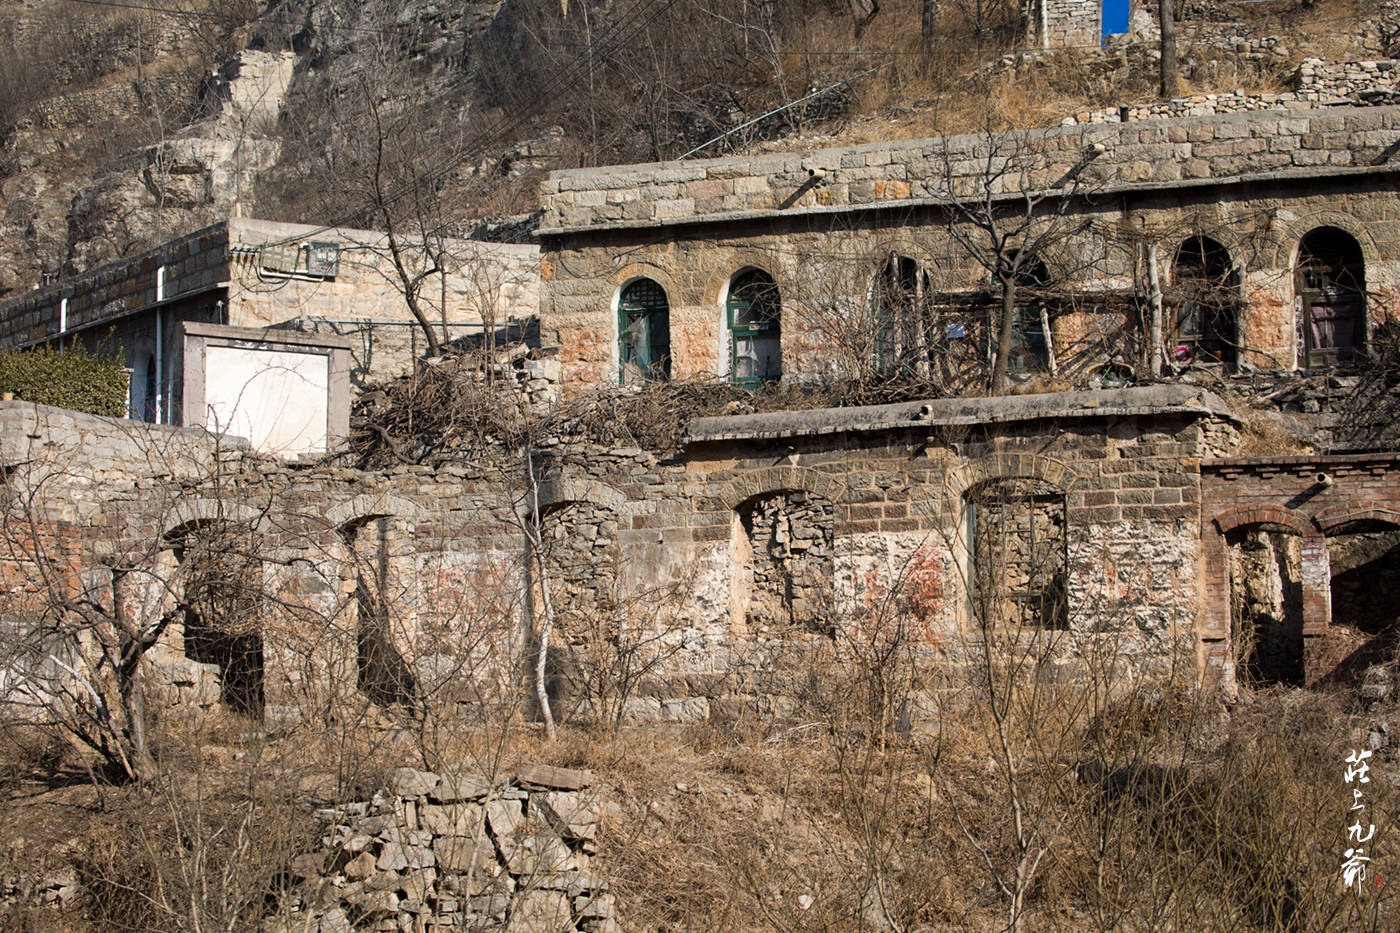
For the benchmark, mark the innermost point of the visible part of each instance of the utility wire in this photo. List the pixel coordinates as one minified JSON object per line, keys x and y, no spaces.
{"x":396,"y":30}
{"x":637,"y":19}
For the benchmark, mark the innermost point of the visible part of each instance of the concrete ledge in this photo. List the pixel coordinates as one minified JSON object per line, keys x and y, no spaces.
{"x":1145,"y":400}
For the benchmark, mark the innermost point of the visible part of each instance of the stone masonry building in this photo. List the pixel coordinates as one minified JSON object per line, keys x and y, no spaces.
{"x":1269,"y":237}
{"x":247,"y":273}
{"x":1116,"y":523}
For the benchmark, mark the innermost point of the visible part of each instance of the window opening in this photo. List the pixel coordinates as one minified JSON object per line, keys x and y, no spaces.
{"x":644,"y":332}
{"x":1016,"y":530}
{"x":1206,"y":303}
{"x":222,"y":614}
{"x":382,"y":674}
{"x":754,"y":312}
{"x":900,"y":306}
{"x":790,"y":542}
{"x":1331,"y":283}
{"x":1030,"y":352}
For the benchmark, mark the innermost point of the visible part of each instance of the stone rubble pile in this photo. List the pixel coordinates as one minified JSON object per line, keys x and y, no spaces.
{"x":456,"y":851}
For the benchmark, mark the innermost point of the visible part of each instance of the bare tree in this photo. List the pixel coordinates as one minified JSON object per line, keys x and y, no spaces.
{"x":1008,"y":214}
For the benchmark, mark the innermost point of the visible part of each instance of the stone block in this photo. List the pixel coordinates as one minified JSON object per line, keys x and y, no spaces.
{"x":548,"y":776}
{"x":392,"y":857}
{"x":573,"y":815}
{"x":462,"y":854}
{"x":454,"y":786}
{"x":409,"y":782}
{"x":505,"y":817}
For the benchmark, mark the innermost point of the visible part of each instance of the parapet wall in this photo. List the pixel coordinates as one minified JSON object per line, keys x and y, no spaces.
{"x":915,"y":172}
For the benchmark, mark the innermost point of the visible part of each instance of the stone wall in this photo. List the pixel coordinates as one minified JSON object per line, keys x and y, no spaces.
{"x":928,"y":171}
{"x":684,"y":587}
{"x":495,"y":282}
{"x":1071,"y":23}
{"x":1315,"y":83}
{"x":1257,"y":183}
{"x":459,"y":851}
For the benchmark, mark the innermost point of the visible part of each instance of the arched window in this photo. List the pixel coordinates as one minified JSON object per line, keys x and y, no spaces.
{"x":644,"y":332}
{"x":1205,"y":293}
{"x":1331,"y":285}
{"x":754,"y":314}
{"x":899,"y":306}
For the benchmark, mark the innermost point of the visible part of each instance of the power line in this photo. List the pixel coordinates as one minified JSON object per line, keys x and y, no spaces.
{"x":663,"y":49}
{"x":625,"y":29}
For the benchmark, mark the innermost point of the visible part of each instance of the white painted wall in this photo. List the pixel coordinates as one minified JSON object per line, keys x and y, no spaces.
{"x":276,"y":399}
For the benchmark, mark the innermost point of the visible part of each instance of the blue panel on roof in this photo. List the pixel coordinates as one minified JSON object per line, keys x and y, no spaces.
{"x":1115,"y":17}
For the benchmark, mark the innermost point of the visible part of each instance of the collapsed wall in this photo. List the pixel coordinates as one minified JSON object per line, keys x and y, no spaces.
{"x":683,"y":588}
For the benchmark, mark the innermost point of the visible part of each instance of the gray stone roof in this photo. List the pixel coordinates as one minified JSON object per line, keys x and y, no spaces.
{"x":1054,"y":406}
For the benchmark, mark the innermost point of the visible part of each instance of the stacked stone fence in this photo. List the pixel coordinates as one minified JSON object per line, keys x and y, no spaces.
{"x":1315,"y":83}
{"x":458,"y":851}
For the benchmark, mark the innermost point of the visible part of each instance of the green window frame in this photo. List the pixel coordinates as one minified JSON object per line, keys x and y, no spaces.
{"x":754,"y":318}
{"x":644,"y":332}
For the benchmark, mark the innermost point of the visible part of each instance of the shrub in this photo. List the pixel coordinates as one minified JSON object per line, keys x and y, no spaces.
{"x":74,"y":378}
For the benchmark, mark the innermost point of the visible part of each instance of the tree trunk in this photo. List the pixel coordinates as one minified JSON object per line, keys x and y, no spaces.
{"x":1154,"y":298}
{"x":1006,"y":336}
{"x":930,"y":21}
{"x":1050,"y":360}
{"x":1170,"y":78}
{"x":536,"y":541}
{"x":140,"y":763}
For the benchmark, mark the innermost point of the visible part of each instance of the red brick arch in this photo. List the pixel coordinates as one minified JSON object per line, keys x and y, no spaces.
{"x":1328,"y":520}
{"x":1242,"y":516}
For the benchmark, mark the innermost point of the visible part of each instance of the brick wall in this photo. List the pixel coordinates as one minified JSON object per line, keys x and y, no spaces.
{"x":1313,"y":498}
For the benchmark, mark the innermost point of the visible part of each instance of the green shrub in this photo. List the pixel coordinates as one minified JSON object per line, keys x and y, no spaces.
{"x":75,"y":378}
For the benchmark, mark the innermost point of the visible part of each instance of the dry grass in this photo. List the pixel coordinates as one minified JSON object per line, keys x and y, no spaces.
{"x":1202,"y":817}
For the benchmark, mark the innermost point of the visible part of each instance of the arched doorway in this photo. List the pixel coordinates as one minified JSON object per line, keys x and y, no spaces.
{"x":1266,"y":604}
{"x":1205,"y":300}
{"x":1331,"y":287}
